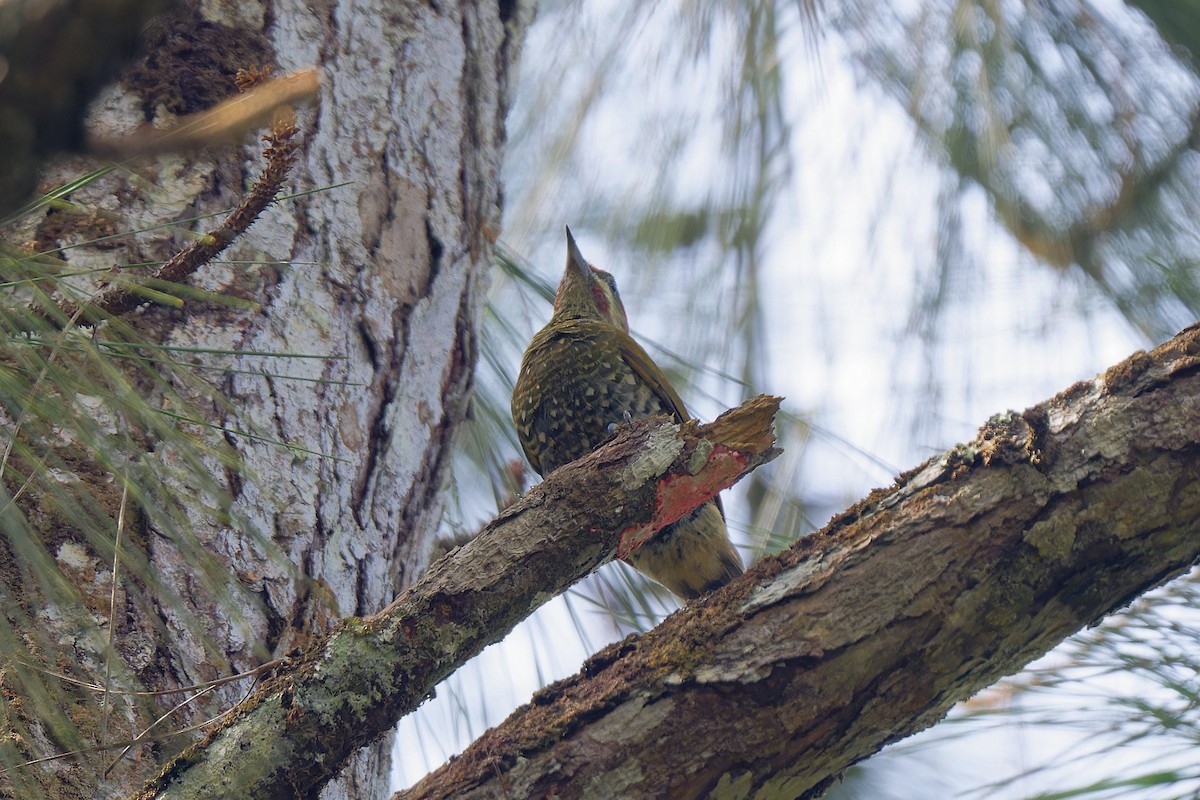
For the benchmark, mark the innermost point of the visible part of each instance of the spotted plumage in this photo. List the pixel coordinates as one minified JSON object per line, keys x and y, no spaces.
{"x":584,"y":373}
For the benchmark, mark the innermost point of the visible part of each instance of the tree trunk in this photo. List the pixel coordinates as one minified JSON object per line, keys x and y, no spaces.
{"x":379,"y":278}
{"x":971,"y":566}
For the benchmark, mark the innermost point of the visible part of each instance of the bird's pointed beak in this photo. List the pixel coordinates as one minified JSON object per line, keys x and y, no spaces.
{"x":574,"y":257}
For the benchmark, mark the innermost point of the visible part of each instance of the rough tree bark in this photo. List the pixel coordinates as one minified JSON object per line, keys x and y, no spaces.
{"x":971,"y":566}
{"x":383,"y":274}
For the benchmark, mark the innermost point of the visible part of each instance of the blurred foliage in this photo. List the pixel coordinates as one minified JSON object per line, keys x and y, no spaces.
{"x":55,"y":56}
{"x":109,"y":463}
{"x":1076,"y":118}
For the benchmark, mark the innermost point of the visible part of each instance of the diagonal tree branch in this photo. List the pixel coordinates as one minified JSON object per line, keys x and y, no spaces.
{"x":971,"y":566}
{"x":299,"y":728}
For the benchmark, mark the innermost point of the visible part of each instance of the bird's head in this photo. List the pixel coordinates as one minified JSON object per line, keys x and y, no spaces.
{"x":588,"y":293}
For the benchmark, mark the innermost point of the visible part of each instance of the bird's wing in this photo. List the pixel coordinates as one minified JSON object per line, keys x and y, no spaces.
{"x":530,"y":456}
{"x":645,"y":368}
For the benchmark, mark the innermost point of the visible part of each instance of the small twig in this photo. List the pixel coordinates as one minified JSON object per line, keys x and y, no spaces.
{"x":280,"y":154}
{"x":112,"y":612}
{"x":139,"y":739}
{"x":95,"y":687}
{"x":204,"y":688}
{"x":142,"y":736}
{"x":145,"y":735}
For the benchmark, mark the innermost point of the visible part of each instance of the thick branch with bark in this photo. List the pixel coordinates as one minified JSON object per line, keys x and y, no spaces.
{"x":971,"y":566}
{"x":351,"y":688}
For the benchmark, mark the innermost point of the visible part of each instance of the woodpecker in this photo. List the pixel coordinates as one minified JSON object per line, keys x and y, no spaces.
{"x":581,"y":375}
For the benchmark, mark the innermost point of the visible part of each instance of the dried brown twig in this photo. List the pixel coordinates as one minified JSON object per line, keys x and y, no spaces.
{"x":280,"y":155}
